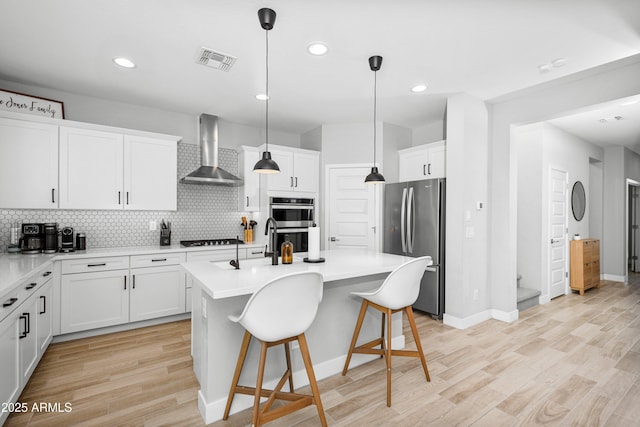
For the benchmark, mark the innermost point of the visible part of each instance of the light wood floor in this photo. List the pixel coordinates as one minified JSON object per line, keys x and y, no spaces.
{"x":573,"y":361}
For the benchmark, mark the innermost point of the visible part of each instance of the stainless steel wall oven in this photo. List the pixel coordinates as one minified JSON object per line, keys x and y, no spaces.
{"x":293,"y":216}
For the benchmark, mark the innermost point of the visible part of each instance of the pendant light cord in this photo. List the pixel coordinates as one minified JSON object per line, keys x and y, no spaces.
{"x":266,"y":33}
{"x":375,"y":102}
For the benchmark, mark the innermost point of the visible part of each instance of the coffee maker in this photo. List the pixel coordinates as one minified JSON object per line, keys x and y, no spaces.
{"x":32,"y":241}
{"x":50,"y":237}
{"x":66,"y":241}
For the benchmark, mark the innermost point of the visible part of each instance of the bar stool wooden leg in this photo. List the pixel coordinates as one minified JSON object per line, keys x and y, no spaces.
{"x":416,"y":337}
{"x":388,"y":356}
{"x":356,"y":332}
{"x":256,"y":402}
{"x":382,"y":334}
{"x":236,"y":375}
{"x":287,"y":355}
{"x":304,"y":351}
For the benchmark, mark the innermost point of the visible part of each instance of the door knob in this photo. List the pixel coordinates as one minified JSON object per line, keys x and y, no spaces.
{"x":333,"y":239}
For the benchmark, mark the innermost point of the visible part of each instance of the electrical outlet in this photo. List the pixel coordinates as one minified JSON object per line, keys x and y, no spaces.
{"x":476,"y":295}
{"x":153,"y":225}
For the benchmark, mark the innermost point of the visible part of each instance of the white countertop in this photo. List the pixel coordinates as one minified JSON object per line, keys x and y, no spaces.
{"x":220,"y":280}
{"x":15,"y":268}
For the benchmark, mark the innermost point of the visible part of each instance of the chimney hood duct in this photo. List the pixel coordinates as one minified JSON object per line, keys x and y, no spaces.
{"x":209,"y":173}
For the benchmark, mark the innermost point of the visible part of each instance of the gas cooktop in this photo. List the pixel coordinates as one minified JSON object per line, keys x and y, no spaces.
{"x":210,"y":242}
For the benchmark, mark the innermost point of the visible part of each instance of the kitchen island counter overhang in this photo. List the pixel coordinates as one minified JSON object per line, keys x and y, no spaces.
{"x":220,"y":290}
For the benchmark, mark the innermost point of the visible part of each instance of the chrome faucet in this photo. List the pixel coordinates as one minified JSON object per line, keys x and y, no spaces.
{"x":273,"y":252}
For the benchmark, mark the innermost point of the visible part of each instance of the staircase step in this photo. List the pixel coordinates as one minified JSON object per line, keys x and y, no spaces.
{"x":527,"y":298}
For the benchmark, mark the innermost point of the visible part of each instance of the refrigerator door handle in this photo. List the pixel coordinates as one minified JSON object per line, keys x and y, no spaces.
{"x":411,"y":225}
{"x":403,"y":207}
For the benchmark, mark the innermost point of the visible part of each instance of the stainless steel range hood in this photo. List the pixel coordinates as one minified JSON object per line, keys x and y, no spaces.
{"x":209,"y":173}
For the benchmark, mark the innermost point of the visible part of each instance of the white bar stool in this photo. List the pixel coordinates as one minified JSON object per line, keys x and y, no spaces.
{"x":397,"y":293}
{"x":279,"y":312}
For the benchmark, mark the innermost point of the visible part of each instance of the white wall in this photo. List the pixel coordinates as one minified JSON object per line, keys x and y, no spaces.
{"x":553,"y":99}
{"x":394,"y":138}
{"x":540,"y":147}
{"x":312,"y":140}
{"x":466,"y":228}
{"x":430,"y":132}
{"x":113,"y":113}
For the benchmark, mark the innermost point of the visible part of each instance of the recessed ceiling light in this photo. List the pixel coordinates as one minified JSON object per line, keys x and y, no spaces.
{"x":419,"y":88}
{"x":317,"y":48}
{"x":544,"y":68}
{"x":559,"y":62}
{"x":262,"y":97}
{"x":124,"y":62}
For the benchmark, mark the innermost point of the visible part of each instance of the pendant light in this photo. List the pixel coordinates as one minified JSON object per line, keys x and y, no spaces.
{"x":375,"y":177}
{"x":267,"y":18}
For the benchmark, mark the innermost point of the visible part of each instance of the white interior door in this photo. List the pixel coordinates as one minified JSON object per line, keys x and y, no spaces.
{"x":351,"y":209}
{"x":558,"y":182}
{"x":634,"y":220}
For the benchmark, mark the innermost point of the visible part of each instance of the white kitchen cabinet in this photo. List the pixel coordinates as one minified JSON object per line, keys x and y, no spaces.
{"x":91,"y":169}
{"x":150,"y":174}
{"x":28,"y":164}
{"x":28,"y":335}
{"x":249,"y":194}
{"x":94,"y":300}
{"x":106,"y":170}
{"x":422,"y":162}
{"x":157,"y":291}
{"x":299,"y":170}
{"x":44,"y":304}
{"x":10,"y":356}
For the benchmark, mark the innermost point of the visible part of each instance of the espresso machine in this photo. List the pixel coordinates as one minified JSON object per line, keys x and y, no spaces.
{"x":66,"y":240}
{"x":32,"y":241}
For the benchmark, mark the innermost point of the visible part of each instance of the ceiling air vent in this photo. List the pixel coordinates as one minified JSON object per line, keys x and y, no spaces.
{"x":218,"y":60}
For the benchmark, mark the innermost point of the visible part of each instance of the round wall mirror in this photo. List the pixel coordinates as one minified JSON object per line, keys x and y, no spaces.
{"x":578,"y":201}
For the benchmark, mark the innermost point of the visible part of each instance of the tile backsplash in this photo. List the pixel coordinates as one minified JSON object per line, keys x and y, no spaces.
{"x":204,"y":212}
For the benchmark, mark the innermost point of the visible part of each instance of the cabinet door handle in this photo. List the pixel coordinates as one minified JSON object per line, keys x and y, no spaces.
{"x":31,"y":285}
{"x":256,"y":252}
{"x":28,"y":331}
{"x":118,"y":197}
{"x":53,"y":195}
{"x":24,"y":334}
{"x":158,"y":260}
{"x":127,"y":197}
{"x":133,"y":280}
{"x":9,"y":303}
{"x":101,"y":264}
{"x":424,"y":170}
{"x":296,"y":182}
{"x":247,"y":201}
{"x":44,"y":304}
{"x":125,"y":283}
{"x":429,"y":169}
{"x":291,"y":182}
{"x":46,"y":274}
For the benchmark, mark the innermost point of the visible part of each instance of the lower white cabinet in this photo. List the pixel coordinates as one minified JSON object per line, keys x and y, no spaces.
{"x":28,"y":336}
{"x":93,"y":300}
{"x":10,"y":379}
{"x":156,"y":292}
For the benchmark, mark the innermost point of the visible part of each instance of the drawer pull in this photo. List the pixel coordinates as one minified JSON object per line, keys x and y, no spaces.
{"x":44,"y":304}
{"x":31,"y":285}
{"x":133,"y":281}
{"x":46,"y":274}
{"x":102,"y":264}
{"x":256,"y":252}
{"x":125,"y":283}
{"x":9,"y":303}
{"x":158,"y":260}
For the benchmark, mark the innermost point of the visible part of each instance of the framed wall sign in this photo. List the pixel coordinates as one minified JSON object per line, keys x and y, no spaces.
{"x":28,"y":104}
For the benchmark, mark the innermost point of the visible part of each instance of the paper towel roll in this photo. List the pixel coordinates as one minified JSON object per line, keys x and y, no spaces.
{"x":313,"y":244}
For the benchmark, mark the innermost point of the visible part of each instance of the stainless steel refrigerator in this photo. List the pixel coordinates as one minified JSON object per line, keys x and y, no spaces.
{"x":414,"y":225}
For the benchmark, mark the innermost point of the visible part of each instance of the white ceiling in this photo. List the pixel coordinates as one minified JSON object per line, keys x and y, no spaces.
{"x":485,"y":48}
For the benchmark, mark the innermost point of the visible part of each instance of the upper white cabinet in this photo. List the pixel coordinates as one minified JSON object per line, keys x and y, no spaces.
{"x":150,"y":174}
{"x":249,"y":194}
{"x":299,"y":170}
{"x":91,"y":169}
{"x":28,"y":164}
{"x":52,"y":163}
{"x":422,"y":162}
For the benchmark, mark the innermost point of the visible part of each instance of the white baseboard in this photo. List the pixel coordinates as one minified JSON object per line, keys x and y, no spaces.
{"x":615,"y":278}
{"x":474,"y":319}
{"x":213,"y":411}
{"x":543,"y":299}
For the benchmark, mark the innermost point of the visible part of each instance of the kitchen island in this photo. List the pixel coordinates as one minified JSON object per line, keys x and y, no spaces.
{"x":220,"y":290}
